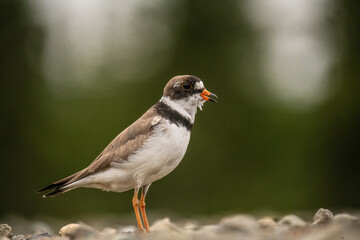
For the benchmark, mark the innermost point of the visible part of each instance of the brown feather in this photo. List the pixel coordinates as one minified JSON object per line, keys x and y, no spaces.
{"x":119,"y":149}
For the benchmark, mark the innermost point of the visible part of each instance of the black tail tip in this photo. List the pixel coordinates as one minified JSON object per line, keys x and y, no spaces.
{"x":54,"y":192}
{"x":51,"y":186}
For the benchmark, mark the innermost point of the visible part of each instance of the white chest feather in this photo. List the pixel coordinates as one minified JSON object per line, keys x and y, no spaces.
{"x":160,"y":154}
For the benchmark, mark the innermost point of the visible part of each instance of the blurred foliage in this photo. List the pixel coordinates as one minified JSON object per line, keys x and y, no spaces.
{"x":247,"y":153}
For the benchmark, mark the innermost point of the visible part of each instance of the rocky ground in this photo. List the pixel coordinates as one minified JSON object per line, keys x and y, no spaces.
{"x":325,"y":226}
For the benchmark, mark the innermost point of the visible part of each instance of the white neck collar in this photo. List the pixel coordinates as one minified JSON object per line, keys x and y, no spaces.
{"x":180,"y":107}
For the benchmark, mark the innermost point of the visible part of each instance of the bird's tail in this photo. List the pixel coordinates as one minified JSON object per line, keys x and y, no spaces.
{"x":58,"y":187}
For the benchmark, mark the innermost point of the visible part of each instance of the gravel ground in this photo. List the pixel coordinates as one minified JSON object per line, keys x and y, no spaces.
{"x":325,"y":226}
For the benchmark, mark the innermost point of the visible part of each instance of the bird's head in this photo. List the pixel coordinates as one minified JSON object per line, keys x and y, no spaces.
{"x":188,"y":91}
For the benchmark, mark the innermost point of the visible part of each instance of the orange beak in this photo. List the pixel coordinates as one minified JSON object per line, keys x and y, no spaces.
{"x":206,"y":95}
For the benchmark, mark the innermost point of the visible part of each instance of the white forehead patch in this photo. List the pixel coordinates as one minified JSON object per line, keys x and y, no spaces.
{"x":177,"y":84}
{"x":199,"y":85}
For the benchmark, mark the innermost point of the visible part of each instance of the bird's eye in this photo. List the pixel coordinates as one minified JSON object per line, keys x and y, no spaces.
{"x":186,"y":85}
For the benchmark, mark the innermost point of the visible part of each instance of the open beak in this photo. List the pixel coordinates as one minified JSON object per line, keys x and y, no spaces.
{"x":207,"y":96}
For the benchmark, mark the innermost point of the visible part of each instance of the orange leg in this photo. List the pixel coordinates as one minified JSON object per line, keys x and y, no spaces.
{"x":142,"y":207}
{"x":135,"y":203}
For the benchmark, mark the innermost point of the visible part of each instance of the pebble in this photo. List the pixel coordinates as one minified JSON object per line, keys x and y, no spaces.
{"x":267,"y":223}
{"x":165,"y":229}
{"x":242,"y":223}
{"x":345,"y":218}
{"x":18,"y":237}
{"x":109,"y":231}
{"x":292,"y":221}
{"x":5,"y":230}
{"x":164,"y":225}
{"x":74,"y":230}
{"x":128,"y":229}
{"x":323,"y":216}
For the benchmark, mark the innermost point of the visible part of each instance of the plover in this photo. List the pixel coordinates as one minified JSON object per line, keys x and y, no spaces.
{"x":147,"y":150}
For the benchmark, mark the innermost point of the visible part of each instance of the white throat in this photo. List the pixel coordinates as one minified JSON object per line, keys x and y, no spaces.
{"x":187,"y":109}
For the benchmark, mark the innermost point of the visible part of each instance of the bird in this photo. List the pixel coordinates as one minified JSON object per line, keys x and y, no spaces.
{"x":147,"y":150}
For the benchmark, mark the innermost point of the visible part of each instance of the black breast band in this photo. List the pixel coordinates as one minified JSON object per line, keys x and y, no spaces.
{"x":173,"y":116}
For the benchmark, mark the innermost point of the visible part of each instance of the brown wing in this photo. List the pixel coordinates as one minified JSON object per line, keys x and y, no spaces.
{"x":119,"y":149}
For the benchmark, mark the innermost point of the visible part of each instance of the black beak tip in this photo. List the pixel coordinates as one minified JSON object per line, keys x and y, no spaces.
{"x":211,"y":99}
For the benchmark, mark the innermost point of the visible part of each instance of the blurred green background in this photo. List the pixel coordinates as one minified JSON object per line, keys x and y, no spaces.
{"x":283,"y":137}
